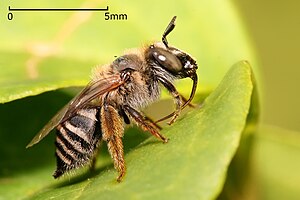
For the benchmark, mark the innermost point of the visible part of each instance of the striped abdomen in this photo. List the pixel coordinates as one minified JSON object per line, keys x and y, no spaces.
{"x":77,"y":140}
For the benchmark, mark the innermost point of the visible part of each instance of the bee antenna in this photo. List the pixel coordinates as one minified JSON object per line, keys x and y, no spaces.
{"x":169,"y":28}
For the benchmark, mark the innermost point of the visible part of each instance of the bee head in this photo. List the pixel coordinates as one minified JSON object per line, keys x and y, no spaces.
{"x":173,"y":60}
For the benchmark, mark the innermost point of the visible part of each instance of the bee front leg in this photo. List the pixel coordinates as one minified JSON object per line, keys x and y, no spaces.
{"x":144,"y":122}
{"x":112,"y":133}
{"x":178,"y":102}
{"x":189,"y":104}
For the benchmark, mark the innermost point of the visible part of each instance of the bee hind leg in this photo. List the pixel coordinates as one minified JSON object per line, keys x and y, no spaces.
{"x":115,"y":148}
{"x":112,"y":133}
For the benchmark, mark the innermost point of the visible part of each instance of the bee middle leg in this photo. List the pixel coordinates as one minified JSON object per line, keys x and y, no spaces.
{"x":112,"y":133}
{"x":145,"y":122}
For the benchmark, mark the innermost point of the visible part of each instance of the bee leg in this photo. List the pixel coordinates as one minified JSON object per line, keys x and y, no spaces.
{"x":144,"y":122}
{"x":127,"y":121}
{"x":115,"y":148}
{"x":125,"y":117}
{"x":112,"y":133}
{"x":177,"y":97}
{"x":94,"y":160}
{"x":185,"y":100}
{"x":152,"y":122}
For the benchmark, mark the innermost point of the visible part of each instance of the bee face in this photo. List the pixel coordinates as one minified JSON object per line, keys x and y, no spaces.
{"x":113,"y":98}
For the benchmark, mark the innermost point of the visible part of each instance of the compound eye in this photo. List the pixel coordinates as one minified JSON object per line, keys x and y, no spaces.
{"x":167,"y":60}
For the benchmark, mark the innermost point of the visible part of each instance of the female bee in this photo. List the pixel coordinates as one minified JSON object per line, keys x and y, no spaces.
{"x":115,"y":96}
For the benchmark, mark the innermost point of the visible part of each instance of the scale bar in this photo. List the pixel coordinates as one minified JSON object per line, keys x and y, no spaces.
{"x":58,"y":9}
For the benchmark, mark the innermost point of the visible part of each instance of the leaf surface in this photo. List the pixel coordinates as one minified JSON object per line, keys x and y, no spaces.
{"x":192,"y":165}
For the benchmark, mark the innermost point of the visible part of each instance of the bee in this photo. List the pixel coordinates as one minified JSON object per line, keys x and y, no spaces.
{"x":114,"y":97}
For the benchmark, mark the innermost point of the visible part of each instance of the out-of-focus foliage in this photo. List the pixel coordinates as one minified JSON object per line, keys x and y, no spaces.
{"x":43,"y":51}
{"x":275,"y":30}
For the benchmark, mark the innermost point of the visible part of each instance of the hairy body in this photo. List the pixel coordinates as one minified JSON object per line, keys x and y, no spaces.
{"x":114,"y":97}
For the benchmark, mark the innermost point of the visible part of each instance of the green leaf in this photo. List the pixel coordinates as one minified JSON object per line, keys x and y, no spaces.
{"x":192,"y":165}
{"x":239,"y":172}
{"x":271,"y":171}
{"x":44,"y":51}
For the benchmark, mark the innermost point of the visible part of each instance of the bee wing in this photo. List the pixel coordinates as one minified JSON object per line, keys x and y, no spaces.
{"x":93,"y":90}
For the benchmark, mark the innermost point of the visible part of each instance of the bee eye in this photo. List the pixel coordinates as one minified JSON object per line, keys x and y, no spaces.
{"x":167,"y":60}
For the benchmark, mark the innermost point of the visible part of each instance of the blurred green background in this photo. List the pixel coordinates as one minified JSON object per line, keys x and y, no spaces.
{"x":274,"y":28}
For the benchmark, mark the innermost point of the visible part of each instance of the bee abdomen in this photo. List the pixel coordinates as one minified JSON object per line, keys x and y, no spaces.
{"x":76,"y":140}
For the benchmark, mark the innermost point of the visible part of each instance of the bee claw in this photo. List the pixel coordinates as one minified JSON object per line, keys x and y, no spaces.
{"x":120,"y":177}
{"x":173,"y":119}
{"x":166,"y":140}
